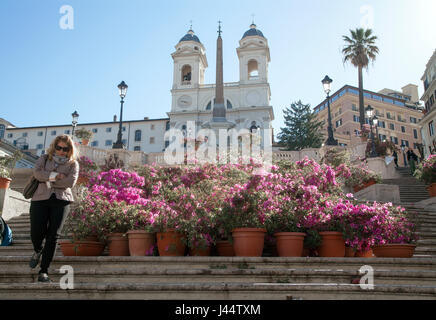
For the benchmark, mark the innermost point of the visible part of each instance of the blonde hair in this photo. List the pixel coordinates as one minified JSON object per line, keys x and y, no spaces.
{"x":72,"y":153}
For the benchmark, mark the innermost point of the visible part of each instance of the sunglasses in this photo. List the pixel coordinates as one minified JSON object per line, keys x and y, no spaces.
{"x":64,"y":149}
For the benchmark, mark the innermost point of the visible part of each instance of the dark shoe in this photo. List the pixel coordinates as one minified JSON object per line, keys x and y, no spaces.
{"x":34,"y":261}
{"x":43,"y":277}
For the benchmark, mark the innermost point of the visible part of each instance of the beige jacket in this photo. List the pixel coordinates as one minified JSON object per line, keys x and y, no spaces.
{"x":62,"y":187}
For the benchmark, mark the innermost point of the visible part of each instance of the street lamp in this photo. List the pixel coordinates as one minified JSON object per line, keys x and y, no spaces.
{"x":123,"y":90}
{"x":369,"y":112}
{"x":326,"y":82}
{"x":75,"y":116}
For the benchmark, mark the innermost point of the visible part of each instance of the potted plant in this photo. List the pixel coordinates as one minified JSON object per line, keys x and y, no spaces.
{"x":285,"y":225}
{"x":141,"y":235}
{"x":244,"y":212}
{"x":84,"y":135}
{"x":394,"y":235}
{"x":7,"y":164}
{"x":426,"y":172}
{"x":361,"y":177}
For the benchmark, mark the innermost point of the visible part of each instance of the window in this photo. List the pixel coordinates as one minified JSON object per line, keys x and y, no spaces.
{"x":124,"y":142}
{"x":354,"y":107}
{"x":381,"y":124}
{"x":39,"y":146}
{"x":108,"y":143}
{"x":376,"y":97}
{"x":53,"y":133}
{"x":108,"y":129}
{"x":431,"y":128}
{"x":391,"y":126}
{"x":209,"y":105}
{"x":10,"y":135}
{"x":137,"y":148}
{"x":152,"y":127}
{"x":366,"y":120}
{"x":24,"y":134}
{"x":167,"y":143}
{"x":339,"y":123}
{"x":388,"y":100}
{"x":415,"y":133}
{"x":253,"y":70}
{"x":138,"y":135}
{"x":229,"y":105}
{"x":186,"y":74}
{"x":151,"y":140}
{"x":2,"y":131}
{"x":67,"y":131}
{"x":405,"y":143}
{"x":124,"y":129}
{"x":40,"y":133}
{"x":394,"y":140}
{"x":412,"y":120}
{"x":94,"y":144}
{"x":382,"y":137}
{"x":356,"y":118}
{"x":94,"y":130}
{"x":167,"y":126}
{"x":403,"y":129}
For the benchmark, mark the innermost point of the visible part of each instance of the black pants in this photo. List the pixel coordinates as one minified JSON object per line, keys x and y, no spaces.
{"x":47,"y":218}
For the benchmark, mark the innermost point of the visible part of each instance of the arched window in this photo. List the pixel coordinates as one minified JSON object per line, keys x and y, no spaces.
{"x":253,"y":127}
{"x":138,"y":135}
{"x":209,"y":105}
{"x":186,"y":74}
{"x":229,"y":104}
{"x":253,"y":70}
{"x":2,"y":131}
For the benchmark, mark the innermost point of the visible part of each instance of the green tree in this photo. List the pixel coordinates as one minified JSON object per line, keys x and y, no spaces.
{"x":302,"y":129}
{"x":359,"y":50}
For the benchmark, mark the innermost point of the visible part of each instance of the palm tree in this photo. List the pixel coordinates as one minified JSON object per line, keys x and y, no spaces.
{"x":359,"y":50}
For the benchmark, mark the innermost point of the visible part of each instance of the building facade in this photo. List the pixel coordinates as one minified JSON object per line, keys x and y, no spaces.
{"x":398,"y":116}
{"x":428,"y":123}
{"x":247,"y":101}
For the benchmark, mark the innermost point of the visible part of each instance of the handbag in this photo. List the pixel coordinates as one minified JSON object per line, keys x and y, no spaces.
{"x":32,"y":185}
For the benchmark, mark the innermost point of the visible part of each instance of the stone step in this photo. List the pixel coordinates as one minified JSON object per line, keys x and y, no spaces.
{"x":159,"y":275}
{"x":213,"y":291}
{"x":109,"y":263}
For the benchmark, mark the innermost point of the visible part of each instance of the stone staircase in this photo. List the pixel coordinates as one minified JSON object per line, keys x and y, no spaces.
{"x":411,"y":189}
{"x":224,"y":278}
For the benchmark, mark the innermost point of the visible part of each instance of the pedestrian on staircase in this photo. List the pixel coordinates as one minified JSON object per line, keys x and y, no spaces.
{"x":57,"y":173}
{"x":395,"y":155}
{"x":412,"y":158}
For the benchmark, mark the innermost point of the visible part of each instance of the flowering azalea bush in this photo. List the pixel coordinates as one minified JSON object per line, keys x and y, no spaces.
{"x":87,"y":168}
{"x":357,"y":175}
{"x":426,"y":170}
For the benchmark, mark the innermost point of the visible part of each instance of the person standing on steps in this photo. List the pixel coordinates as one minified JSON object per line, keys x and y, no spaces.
{"x":395,"y":155}
{"x":412,"y":158}
{"x":57,"y":173}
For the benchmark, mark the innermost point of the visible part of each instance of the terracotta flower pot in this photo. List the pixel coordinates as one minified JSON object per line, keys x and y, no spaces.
{"x":332,"y":245}
{"x":349,"y":252}
{"x":248,"y":242}
{"x":364,"y":185}
{"x":432,"y":190}
{"x":290,"y":244}
{"x":81,"y":248}
{"x":394,"y":250}
{"x":364,"y":254}
{"x":4,"y":183}
{"x":225,"y":248}
{"x":203,"y":252}
{"x":170,"y":243}
{"x":118,"y":244}
{"x":140,"y":242}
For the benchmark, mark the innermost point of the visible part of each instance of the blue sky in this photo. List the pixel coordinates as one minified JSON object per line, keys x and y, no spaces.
{"x":48,"y":72}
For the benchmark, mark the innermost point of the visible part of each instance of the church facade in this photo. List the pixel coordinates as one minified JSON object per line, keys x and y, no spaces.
{"x":247,"y":101}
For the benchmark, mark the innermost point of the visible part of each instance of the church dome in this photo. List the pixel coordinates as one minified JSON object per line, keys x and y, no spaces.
{"x":190,"y":36}
{"x":253,"y":31}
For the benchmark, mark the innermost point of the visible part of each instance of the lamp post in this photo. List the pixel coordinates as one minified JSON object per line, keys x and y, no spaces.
{"x":123,"y":90}
{"x":75,"y":116}
{"x":326,"y":82}
{"x":369,"y":112}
